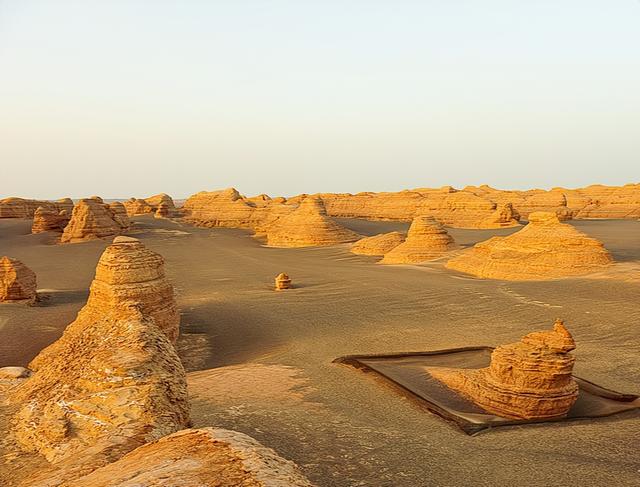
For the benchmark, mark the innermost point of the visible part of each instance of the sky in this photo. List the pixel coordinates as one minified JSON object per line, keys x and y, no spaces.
{"x":132,"y":98}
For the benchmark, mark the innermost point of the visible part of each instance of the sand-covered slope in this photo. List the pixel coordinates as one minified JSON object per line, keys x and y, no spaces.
{"x":544,"y":249}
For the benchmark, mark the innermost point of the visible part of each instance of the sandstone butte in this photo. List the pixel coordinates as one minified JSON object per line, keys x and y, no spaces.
{"x":308,"y":226}
{"x":426,"y":240}
{"x":544,"y":249}
{"x":378,"y":244}
{"x":283,"y":281}
{"x":24,"y":208}
{"x":529,"y":379}
{"x":17,"y":281}
{"x":199,"y":457}
{"x":49,"y":220}
{"x":113,"y":381}
{"x":93,"y":219}
{"x":225,"y":208}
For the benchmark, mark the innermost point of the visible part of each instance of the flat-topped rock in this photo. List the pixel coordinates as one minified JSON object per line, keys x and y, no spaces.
{"x":543,"y":249}
{"x":426,"y":240}
{"x":17,"y":281}
{"x":378,"y":244}
{"x":529,"y":379}
{"x":308,"y":226}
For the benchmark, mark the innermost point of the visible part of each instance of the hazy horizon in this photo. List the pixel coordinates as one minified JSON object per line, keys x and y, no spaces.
{"x":136,"y":98}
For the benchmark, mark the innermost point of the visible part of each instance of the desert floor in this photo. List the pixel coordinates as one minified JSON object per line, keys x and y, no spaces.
{"x":261,"y":361}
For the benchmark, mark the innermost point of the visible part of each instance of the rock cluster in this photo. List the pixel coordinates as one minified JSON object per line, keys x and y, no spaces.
{"x":92,"y":219}
{"x":283,"y":281}
{"x":113,"y":381}
{"x":544,"y":249}
{"x":530,"y":379}
{"x":24,"y":208}
{"x":378,"y":244}
{"x":307,"y":226}
{"x":426,"y":240}
{"x":17,"y":281}
{"x":200,"y":457}
{"x":49,"y":220}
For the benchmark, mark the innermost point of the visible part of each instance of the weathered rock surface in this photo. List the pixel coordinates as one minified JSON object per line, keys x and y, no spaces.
{"x":426,"y":240}
{"x":136,"y":207}
{"x":90,"y":220}
{"x":14,"y":373}
{"x":378,"y":244}
{"x":113,"y":381}
{"x":544,"y":249}
{"x":283,"y":281}
{"x":200,"y":457}
{"x":307,"y":226}
{"x":25,"y":208}
{"x":530,"y":379}
{"x":49,"y":220}
{"x":17,"y":281}
{"x":225,"y":208}
{"x":164,"y":211}
{"x":503,"y":217}
{"x":119,"y":215}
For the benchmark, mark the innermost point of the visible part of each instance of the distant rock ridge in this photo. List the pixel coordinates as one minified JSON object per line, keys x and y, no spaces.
{"x":26,"y":208}
{"x":426,"y":240}
{"x":529,"y":379}
{"x":544,"y":249}
{"x":17,"y":281}
{"x":307,"y":226}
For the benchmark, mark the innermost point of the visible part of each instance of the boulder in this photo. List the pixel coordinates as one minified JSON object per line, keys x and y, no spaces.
{"x":529,"y":379}
{"x":426,"y":240}
{"x":543,"y":249}
{"x":17,"y":281}
{"x":307,"y":226}
{"x":378,"y":244}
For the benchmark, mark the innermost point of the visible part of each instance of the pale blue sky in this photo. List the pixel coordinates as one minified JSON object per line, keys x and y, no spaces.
{"x":130,"y":98}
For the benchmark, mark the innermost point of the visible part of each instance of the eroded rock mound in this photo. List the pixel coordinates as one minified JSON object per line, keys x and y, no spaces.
{"x":426,"y":240}
{"x":17,"y":281}
{"x":503,"y":217}
{"x":164,"y":211}
{"x":200,"y":457}
{"x":113,"y":381}
{"x":25,"y":208}
{"x":49,"y":220}
{"x":119,"y":215}
{"x":225,"y":208}
{"x":136,"y":207}
{"x":544,"y":249}
{"x":530,"y":379}
{"x":92,"y":219}
{"x":378,"y":244}
{"x":283,"y":281}
{"x":307,"y":226}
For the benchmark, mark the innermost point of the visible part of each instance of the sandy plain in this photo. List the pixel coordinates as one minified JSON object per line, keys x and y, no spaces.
{"x":261,"y":361}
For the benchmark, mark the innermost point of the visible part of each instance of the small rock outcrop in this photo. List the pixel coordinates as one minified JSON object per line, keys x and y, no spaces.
{"x":17,"y":281}
{"x":308,"y":226}
{"x":543,"y":249}
{"x":200,"y":457}
{"x":378,"y":244}
{"x":530,"y":379}
{"x":113,"y":381}
{"x":426,"y":240}
{"x":503,"y":217}
{"x":91,"y":219}
{"x":49,"y":220}
{"x":283,"y":281}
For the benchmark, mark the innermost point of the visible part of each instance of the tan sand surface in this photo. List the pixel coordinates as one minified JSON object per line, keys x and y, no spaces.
{"x":272,"y":351}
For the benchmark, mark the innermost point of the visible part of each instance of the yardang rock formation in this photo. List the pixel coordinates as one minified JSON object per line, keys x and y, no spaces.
{"x":529,"y":379}
{"x":17,"y":281}
{"x":308,"y":226}
{"x":93,"y":219}
{"x":378,"y":244}
{"x":544,"y":249}
{"x":49,"y":220}
{"x":426,"y":240}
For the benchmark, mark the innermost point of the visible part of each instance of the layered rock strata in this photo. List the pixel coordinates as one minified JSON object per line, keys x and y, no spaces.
{"x":530,"y":379}
{"x":503,"y":217}
{"x":17,"y":281}
{"x":200,"y":457}
{"x":307,"y":226}
{"x":136,"y":207}
{"x":283,"y":281}
{"x":119,"y":215}
{"x":49,"y":220}
{"x":90,"y":220}
{"x":426,"y":240}
{"x":25,"y":208}
{"x":225,"y":208}
{"x":378,"y":244}
{"x":543,"y":249}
